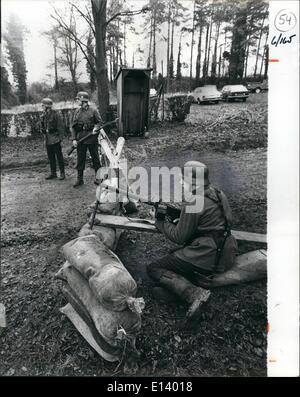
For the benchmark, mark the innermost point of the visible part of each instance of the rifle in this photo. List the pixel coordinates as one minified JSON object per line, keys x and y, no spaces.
{"x":162,"y":210}
{"x":69,"y":152}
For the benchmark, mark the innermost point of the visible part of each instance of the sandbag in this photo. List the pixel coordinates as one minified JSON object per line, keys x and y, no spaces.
{"x":250,"y":266}
{"x":107,"y":351}
{"x":106,"y":235}
{"x":85,"y":331}
{"x":111,"y":325}
{"x":110,"y":281}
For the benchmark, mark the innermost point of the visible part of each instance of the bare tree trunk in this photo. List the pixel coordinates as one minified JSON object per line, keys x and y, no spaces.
{"x":124,"y":49}
{"x":214,"y":61}
{"x":219,"y":63}
{"x":99,"y":16}
{"x":178,"y":72}
{"x":150,"y":44}
{"x":266,"y":62}
{"x":258,"y":46}
{"x":192,"y":46}
{"x":204,"y":69}
{"x":198,"y":61}
{"x":110,"y":65}
{"x":171,"y":62}
{"x":264,"y":55}
{"x":56,"y":85}
{"x":246,"y":59}
{"x":168,"y":48}
{"x":225,"y":48}
{"x":209,"y":42}
{"x":154,"y":72}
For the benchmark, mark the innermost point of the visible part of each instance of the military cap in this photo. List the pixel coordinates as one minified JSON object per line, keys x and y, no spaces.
{"x":83,"y":96}
{"x":47,"y":102}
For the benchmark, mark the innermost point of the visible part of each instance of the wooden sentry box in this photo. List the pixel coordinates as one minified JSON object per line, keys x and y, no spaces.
{"x":133,"y":88}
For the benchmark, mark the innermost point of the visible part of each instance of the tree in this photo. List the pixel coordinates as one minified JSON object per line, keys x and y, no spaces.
{"x":97,"y":20}
{"x":69,"y":49}
{"x":52,"y":35}
{"x":239,"y":40}
{"x":200,"y":23}
{"x":192,"y":45}
{"x":262,"y":29}
{"x":90,"y":65}
{"x":8,"y":97}
{"x":100,"y":25}
{"x":14,"y":38}
{"x":178,"y":71}
{"x":157,"y":16}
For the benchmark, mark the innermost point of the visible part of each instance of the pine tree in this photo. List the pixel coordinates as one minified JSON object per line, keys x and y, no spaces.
{"x":14,"y":38}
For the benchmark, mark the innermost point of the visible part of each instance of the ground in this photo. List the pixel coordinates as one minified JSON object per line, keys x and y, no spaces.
{"x":38,"y":217}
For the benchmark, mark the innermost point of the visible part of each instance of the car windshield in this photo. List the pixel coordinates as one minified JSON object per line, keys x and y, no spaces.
{"x":209,"y":90}
{"x":236,"y":88}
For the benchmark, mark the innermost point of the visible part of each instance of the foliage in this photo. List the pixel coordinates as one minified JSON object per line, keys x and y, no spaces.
{"x":14,"y":38}
{"x":8,"y":97}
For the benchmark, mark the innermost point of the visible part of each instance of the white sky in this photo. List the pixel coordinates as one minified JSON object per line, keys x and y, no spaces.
{"x":35,"y":15}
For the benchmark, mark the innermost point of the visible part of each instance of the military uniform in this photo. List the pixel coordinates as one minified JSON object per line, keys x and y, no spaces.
{"x":83,"y":123}
{"x":53,"y":129}
{"x":199,"y":234}
{"x":204,"y":251}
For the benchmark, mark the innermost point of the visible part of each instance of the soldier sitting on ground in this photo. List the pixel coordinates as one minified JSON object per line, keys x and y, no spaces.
{"x":86,"y":120}
{"x":207,"y":246}
{"x":52,"y":127}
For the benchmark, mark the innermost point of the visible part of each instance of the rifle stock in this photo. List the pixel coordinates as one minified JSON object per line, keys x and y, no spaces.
{"x":70,"y":151}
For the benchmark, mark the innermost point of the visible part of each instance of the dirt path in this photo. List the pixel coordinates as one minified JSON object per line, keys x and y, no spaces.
{"x":38,"y":216}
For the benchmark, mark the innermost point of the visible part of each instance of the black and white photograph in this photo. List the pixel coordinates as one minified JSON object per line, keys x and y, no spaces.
{"x":149,"y":191}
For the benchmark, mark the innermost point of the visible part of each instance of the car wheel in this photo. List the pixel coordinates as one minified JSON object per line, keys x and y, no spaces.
{"x":216,"y":102}
{"x":244,"y":99}
{"x":198,"y":101}
{"x":257,"y":90}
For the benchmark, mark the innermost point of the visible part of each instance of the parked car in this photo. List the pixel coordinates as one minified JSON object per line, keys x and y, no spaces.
{"x":234,"y":92}
{"x":206,"y":94}
{"x":258,"y":86}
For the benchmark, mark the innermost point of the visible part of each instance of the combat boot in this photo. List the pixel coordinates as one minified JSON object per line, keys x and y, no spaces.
{"x":79,"y":179}
{"x":192,"y":295}
{"x":62,"y":176}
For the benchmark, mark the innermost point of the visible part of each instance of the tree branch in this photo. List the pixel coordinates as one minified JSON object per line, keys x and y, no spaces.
{"x":73,"y":37}
{"x":127,"y":13}
{"x":88,"y":20}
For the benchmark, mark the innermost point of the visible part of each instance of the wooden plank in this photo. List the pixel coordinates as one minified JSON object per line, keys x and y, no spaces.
{"x":84,"y":330}
{"x":143,"y":225}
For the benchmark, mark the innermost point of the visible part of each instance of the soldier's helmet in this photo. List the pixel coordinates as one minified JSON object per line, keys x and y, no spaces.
{"x":82,"y":96}
{"x":47,"y":102}
{"x":193,"y":169}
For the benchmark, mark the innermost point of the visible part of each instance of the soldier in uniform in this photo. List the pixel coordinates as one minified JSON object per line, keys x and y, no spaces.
{"x":86,"y":120}
{"x":53,"y":129}
{"x":207,"y":247}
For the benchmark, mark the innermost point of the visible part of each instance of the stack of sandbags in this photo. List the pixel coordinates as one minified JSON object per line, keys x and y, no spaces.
{"x":248,"y":267}
{"x":102,"y":292}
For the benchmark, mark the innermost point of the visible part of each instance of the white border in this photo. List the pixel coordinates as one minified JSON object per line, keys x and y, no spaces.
{"x":283,"y":200}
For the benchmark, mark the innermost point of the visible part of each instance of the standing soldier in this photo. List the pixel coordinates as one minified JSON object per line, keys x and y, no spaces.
{"x":86,"y":120}
{"x":52,"y":128}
